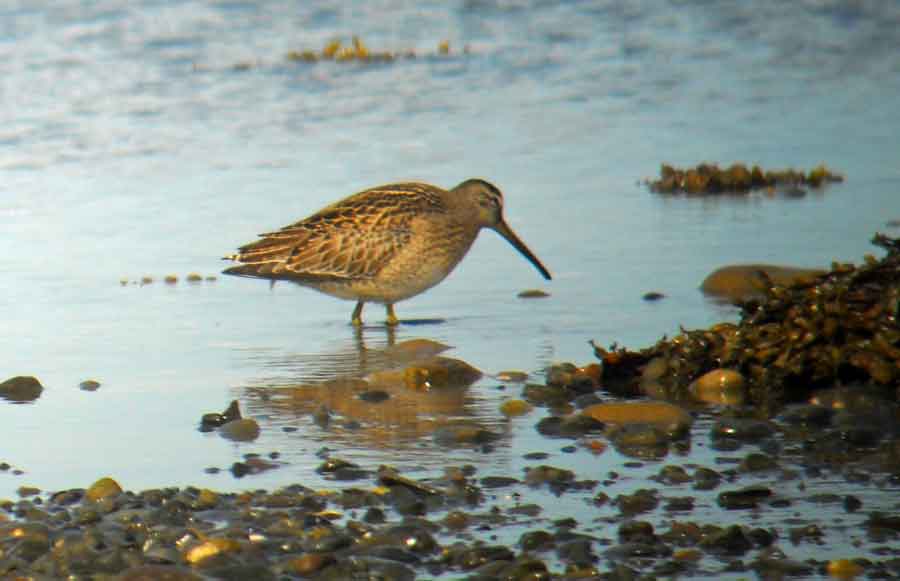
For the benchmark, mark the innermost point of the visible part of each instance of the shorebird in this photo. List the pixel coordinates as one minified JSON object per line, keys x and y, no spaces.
{"x":382,"y":245}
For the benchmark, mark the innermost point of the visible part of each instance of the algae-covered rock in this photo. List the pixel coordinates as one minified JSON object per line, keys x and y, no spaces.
{"x":837,"y":328}
{"x":21,"y":388}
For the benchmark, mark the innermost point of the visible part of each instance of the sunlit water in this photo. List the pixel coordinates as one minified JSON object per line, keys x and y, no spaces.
{"x":153,"y":138}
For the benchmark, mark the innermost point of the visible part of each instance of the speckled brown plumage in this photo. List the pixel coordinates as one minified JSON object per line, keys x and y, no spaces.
{"x":383,"y":245}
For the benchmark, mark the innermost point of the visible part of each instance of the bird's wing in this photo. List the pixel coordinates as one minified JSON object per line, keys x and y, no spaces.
{"x":351,"y":239}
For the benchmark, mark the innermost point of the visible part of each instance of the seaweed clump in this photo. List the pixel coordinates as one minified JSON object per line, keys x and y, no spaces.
{"x":738,"y":179}
{"x":357,"y":51}
{"x":840,"y":328}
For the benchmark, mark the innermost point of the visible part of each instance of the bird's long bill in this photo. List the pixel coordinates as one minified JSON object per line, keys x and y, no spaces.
{"x":511,"y":237}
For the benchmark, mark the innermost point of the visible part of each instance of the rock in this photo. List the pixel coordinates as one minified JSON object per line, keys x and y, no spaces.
{"x":389,"y":477}
{"x":536,"y":541}
{"x":578,"y":552}
{"x":757,"y":462}
{"x":339,"y":469}
{"x":673,"y":475}
{"x":571,"y":426}
{"x":729,"y":541}
{"x":773,"y":564}
{"x":743,"y":498}
{"x":548,"y":475}
{"x":637,"y":531}
{"x":103,"y":488}
{"x":706,"y":478}
{"x":513,"y":376}
{"x":742,"y":282}
{"x":475,"y":556}
{"x":463,"y":434}
{"x":744,"y":429}
{"x":630,"y":439}
{"x":308,"y":564}
{"x":498,"y":481}
{"x":533,"y":294}
{"x":21,"y":388}
{"x":242,"y":430}
{"x":457,"y":520}
{"x":374,"y":396}
{"x":364,"y":567}
{"x":844,"y":569}
{"x":807,"y":415}
{"x":157,"y":573}
{"x":515,"y":407}
{"x":720,"y":387}
{"x":432,"y":373}
{"x":679,"y":504}
{"x":210,"y":549}
{"x":643,"y":500}
{"x":414,"y":349}
{"x":670,"y":418}
{"x":213,"y":420}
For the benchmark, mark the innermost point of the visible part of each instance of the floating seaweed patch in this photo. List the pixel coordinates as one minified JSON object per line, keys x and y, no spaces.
{"x":357,"y":51}
{"x":738,"y":179}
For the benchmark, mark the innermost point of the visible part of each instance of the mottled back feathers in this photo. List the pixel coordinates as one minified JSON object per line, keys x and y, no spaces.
{"x":352,"y":239}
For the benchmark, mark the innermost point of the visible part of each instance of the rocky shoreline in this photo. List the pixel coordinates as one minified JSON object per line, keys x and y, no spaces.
{"x":803,"y":449}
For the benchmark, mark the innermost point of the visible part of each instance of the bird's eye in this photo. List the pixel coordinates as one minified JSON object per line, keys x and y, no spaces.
{"x":489,"y":202}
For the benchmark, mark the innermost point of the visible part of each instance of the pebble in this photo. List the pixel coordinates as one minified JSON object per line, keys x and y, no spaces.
{"x":571,"y":426}
{"x":89,"y":385}
{"x":544,"y":474}
{"x":745,"y":429}
{"x":642,"y":500}
{"x":513,"y":376}
{"x":463,"y":434}
{"x":727,"y":541}
{"x":515,"y":407}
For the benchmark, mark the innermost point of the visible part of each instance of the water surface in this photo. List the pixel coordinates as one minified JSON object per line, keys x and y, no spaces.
{"x":149,"y":138}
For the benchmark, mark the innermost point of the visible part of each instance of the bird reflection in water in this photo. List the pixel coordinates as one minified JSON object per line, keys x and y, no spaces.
{"x":389,"y":395}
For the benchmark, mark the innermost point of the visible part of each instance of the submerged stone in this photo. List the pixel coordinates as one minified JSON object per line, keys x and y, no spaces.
{"x":515,"y":407}
{"x":242,"y":430}
{"x":89,"y":385}
{"x":672,"y":419}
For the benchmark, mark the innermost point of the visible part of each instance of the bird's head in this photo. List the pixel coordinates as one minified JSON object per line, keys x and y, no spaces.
{"x":487,"y":201}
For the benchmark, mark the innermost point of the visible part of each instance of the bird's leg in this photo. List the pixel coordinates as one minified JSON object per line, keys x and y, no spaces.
{"x":392,"y":319}
{"x":357,"y":315}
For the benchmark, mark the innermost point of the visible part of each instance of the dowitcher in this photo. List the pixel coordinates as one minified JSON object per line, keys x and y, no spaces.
{"x":382,"y":245}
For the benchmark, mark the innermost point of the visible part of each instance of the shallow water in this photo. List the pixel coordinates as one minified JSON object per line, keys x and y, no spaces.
{"x":152,"y":138}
